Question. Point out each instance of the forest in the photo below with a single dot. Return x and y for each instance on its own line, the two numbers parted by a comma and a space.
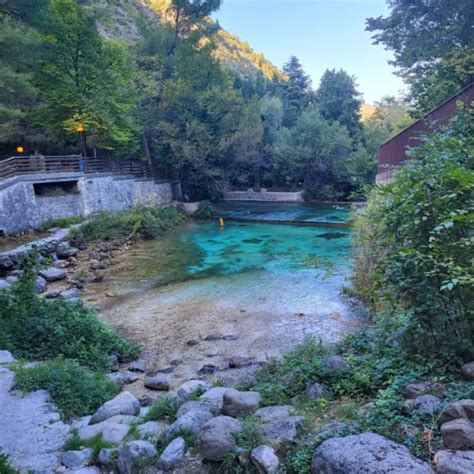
182, 93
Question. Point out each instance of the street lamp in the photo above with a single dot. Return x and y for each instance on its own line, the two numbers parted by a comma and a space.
81, 131
20, 150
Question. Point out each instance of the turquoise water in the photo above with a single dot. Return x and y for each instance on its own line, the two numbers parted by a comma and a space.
292, 212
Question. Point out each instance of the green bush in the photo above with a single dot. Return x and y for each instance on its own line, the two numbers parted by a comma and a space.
5, 467
144, 222
414, 243
35, 328
76, 390
204, 210
62, 222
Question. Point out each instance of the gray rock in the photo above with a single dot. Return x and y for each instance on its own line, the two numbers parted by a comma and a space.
336, 364
123, 404
116, 378
191, 406
132, 456
214, 337
366, 409
367, 453
111, 431
337, 430
216, 438
137, 366
173, 455
52, 295
281, 431
6, 357
269, 414
416, 389
191, 422
53, 274
176, 362
64, 250
214, 397
458, 434
4, 285
426, 404
239, 404
6, 263
71, 294
238, 362
315, 391
230, 337
187, 388
129, 377
11, 279
468, 371
80, 458
86, 470
151, 430
157, 382
454, 462
108, 457
264, 459
113, 363
193, 342
40, 284
457, 409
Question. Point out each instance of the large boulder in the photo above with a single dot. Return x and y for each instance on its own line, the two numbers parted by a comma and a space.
173, 455
269, 414
112, 430
454, 462
280, 431
240, 404
53, 274
215, 397
264, 459
191, 421
80, 458
123, 404
458, 434
192, 406
134, 455
367, 453
468, 371
458, 409
216, 438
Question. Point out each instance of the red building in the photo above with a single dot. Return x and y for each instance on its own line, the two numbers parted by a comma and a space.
392, 154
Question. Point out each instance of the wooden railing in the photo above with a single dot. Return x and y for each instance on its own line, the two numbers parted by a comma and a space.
39, 164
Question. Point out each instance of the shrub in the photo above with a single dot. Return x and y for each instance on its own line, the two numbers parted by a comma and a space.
415, 247
76, 390
144, 222
5, 467
62, 222
163, 409
39, 329
204, 210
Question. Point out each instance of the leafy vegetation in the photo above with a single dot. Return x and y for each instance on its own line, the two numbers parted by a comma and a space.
63, 222
414, 243
38, 329
163, 409
144, 222
76, 390
5, 467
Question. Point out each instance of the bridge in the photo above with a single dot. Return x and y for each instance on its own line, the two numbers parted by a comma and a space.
37, 188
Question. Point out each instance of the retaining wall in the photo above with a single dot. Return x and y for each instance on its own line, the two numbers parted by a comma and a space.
22, 209
263, 195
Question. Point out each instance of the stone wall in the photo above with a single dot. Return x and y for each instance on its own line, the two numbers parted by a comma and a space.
22, 209
263, 195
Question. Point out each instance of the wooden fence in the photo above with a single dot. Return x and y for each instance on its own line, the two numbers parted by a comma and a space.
39, 164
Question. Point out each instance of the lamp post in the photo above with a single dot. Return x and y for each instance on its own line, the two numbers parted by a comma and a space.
82, 134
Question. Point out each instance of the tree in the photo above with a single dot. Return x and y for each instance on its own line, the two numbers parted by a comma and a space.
433, 46
314, 153
297, 92
18, 94
339, 100
85, 81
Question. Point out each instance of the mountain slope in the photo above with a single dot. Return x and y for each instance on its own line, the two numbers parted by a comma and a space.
126, 20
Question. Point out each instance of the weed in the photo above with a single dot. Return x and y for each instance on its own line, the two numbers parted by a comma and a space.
163, 409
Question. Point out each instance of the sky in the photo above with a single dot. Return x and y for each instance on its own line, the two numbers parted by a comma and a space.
323, 34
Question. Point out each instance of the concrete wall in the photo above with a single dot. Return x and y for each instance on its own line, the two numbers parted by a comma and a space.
263, 195
22, 209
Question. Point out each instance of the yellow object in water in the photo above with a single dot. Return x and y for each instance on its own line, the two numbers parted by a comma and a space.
221, 221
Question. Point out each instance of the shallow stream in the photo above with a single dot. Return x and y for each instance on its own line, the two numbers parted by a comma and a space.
267, 285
